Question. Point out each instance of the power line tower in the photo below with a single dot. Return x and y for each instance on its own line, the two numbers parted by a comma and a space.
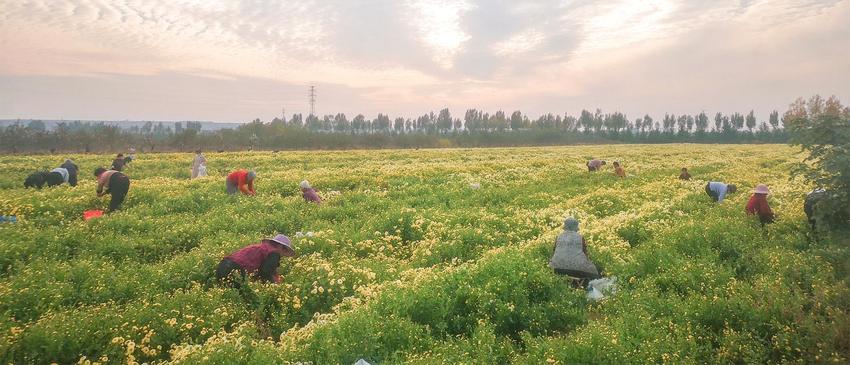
312, 100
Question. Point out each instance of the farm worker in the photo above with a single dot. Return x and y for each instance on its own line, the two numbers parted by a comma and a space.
72, 171
595, 165
198, 164
684, 175
62, 172
241, 180
758, 205
118, 163
812, 199
35, 180
570, 256
131, 156
618, 170
309, 193
718, 190
39, 178
259, 260
114, 183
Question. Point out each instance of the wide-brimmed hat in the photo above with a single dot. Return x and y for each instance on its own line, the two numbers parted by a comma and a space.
761, 189
283, 241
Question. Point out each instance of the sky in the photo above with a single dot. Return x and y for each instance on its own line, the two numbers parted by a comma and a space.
236, 60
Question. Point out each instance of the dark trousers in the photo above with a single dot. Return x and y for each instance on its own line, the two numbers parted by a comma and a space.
225, 272
119, 185
580, 279
710, 193
577, 274
231, 274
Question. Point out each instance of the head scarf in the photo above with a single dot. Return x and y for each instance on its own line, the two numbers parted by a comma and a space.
571, 224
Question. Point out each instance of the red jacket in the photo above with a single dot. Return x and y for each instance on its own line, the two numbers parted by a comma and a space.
758, 205
240, 178
251, 257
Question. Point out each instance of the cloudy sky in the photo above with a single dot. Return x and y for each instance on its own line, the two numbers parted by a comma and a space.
230, 60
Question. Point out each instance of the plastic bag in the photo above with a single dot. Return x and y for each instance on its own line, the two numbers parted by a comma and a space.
601, 288
594, 294
362, 362
89, 214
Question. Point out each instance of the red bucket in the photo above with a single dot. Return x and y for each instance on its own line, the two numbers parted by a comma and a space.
89, 214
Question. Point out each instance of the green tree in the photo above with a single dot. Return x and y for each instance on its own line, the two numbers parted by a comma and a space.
737, 121
718, 121
774, 119
444, 120
341, 123
358, 124
682, 123
647, 123
296, 121
570, 123
822, 128
586, 120
598, 120
499, 122
701, 122
516, 120
37, 126
751, 121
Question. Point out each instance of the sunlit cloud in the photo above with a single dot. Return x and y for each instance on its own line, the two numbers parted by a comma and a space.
409, 57
438, 25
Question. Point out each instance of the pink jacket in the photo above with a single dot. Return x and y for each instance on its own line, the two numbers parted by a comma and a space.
310, 195
251, 257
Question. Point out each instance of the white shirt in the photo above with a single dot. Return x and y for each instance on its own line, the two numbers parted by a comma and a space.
718, 188
63, 172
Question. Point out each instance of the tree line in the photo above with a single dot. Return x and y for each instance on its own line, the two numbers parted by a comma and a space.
477, 128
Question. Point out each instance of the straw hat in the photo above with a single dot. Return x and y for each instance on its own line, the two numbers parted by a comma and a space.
761, 189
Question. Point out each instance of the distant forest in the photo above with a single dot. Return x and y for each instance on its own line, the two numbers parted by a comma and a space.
476, 129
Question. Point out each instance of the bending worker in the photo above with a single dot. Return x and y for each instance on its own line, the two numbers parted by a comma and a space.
718, 190
259, 260
758, 205
241, 180
114, 183
595, 165
570, 256
309, 193
72, 171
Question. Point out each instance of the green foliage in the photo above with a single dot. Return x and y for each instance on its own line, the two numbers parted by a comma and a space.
822, 129
407, 264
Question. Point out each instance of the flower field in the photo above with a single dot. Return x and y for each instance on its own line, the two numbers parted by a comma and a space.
407, 263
